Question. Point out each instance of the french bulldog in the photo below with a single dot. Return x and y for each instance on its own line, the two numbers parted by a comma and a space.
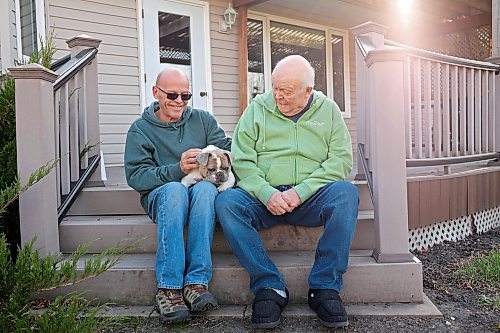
215, 167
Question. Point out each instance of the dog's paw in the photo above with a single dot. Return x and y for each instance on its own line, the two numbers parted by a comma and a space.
223, 187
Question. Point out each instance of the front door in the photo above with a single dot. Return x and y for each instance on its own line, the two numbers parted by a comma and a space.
175, 36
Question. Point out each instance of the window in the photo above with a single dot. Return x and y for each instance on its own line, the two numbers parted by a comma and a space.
30, 26
270, 39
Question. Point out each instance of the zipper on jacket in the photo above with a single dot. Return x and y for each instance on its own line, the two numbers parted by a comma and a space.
296, 173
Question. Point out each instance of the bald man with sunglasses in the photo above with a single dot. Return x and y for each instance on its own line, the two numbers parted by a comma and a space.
161, 148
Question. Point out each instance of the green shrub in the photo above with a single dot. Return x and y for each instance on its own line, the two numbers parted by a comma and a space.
9, 221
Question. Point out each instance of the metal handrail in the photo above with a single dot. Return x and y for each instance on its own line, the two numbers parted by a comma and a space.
68, 201
73, 66
364, 164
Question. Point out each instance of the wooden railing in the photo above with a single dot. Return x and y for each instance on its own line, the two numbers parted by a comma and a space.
417, 108
57, 118
78, 154
449, 108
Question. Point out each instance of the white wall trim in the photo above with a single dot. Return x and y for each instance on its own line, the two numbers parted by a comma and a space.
208, 60
40, 26
40, 22
18, 30
5, 35
141, 56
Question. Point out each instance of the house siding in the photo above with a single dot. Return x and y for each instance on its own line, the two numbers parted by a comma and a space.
225, 69
115, 23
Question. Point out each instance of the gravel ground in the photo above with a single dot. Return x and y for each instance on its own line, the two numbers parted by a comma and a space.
458, 300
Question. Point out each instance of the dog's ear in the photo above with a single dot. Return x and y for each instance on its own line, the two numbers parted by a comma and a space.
202, 159
229, 156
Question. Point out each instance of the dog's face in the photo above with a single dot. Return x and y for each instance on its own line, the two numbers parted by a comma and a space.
215, 164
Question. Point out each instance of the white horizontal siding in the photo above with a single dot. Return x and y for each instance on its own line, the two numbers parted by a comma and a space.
225, 69
115, 23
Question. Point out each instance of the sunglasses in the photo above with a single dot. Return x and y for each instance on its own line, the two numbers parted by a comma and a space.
173, 95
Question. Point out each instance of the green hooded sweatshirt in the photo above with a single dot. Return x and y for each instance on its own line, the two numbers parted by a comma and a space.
153, 148
270, 150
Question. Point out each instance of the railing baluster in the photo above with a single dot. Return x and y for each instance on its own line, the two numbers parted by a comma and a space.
436, 130
74, 136
427, 110
82, 117
446, 110
455, 99
463, 111
491, 121
477, 112
57, 111
470, 111
485, 114
407, 100
417, 102
64, 138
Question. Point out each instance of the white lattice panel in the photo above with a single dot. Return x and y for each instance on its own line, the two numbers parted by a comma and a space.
450, 230
486, 219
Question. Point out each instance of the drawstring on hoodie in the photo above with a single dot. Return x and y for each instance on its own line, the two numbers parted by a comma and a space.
181, 136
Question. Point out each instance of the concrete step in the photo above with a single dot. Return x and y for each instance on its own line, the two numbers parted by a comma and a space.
133, 281
123, 200
107, 231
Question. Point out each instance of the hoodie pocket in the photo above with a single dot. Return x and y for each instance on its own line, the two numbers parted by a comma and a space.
280, 173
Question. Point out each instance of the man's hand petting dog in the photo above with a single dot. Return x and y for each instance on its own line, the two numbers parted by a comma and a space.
211, 164
188, 160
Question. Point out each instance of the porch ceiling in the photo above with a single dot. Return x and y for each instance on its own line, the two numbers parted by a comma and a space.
441, 16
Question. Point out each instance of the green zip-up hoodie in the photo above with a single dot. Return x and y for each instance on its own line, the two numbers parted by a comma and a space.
270, 150
153, 148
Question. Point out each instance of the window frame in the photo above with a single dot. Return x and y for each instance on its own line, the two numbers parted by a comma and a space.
40, 27
329, 31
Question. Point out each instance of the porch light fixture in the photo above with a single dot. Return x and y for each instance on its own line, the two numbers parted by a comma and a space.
229, 19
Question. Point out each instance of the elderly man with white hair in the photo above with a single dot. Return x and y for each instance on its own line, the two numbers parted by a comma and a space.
292, 153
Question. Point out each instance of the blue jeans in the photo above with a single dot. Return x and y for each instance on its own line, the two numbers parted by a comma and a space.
171, 206
335, 206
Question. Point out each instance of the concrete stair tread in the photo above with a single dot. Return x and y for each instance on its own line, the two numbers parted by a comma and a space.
133, 280
228, 260
106, 231
144, 219
119, 198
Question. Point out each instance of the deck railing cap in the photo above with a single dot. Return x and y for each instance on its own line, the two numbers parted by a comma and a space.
385, 53
83, 41
33, 71
369, 27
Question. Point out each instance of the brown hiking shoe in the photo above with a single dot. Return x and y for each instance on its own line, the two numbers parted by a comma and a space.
171, 307
198, 298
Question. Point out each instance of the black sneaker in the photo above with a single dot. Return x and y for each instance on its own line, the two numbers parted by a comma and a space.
328, 306
267, 307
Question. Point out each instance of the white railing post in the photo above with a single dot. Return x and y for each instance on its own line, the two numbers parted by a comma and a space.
376, 34
386, 69
35, 136
89, 100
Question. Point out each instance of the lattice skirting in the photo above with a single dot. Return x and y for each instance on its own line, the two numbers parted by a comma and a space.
453, 230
